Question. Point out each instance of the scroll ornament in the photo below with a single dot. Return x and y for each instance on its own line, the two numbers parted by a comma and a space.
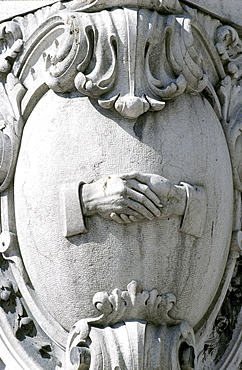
229, 47
11, 45
160, 65
169, 60
139, 315
159, 62
81, 62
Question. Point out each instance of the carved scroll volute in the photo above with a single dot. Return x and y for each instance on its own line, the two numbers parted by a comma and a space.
136, 310
224, 65
148, 58
74, 50
229, 47
11, 44
230, 96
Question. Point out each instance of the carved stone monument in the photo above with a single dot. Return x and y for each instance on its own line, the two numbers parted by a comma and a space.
121, 184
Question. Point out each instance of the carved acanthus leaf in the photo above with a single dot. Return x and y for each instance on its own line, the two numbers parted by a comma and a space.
229, 48
230, 97
135, 304
161, 46
11, 92
138, 313
10, 46
224, 64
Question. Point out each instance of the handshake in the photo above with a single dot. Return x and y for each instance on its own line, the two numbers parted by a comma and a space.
132, 197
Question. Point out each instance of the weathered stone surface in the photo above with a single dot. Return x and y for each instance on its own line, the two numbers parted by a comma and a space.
229, 11
120, 171
145, 251
18, 7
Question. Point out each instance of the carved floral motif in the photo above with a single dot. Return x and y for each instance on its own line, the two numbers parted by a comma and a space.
10, 46
229, 47
160, 61
135, 304
137, 313
230, 95
160, 46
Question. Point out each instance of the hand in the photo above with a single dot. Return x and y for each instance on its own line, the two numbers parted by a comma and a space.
123, 200
172, 197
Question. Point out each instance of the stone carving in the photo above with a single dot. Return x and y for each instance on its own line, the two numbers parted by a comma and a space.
7, 294
149, 96
229, 317
141, 315
134, 197
134, 304
172, 47
10, 46
24, 324
229, 49
10, 251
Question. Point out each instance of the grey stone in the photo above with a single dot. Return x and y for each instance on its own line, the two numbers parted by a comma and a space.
13, 8
120, 143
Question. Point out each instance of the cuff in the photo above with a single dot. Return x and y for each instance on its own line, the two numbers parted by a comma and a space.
194, 218
70, 210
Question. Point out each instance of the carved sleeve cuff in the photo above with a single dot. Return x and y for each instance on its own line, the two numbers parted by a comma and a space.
71, 211
194, 218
